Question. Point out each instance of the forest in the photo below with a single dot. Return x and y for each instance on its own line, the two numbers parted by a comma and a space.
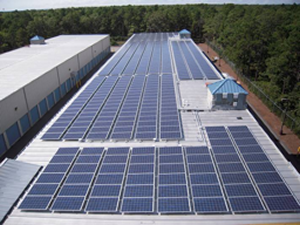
262, 41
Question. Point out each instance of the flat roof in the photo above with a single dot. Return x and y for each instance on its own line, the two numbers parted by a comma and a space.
215, 132
21, 66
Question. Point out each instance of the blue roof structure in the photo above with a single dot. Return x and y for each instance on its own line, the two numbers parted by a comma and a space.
184, 31
36, 38
226, 86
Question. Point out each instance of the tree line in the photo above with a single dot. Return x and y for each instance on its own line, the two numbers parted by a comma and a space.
262, 41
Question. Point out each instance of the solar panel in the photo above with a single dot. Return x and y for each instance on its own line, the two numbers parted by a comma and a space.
115, 159
136, 205
210, 205
84, 168
206, 178
43, 189
270, 177
172, 179
142, 159
206, 191
66, 151
102, 205
274, 189
57, 168
88, 159
199, 159
170, 159
201, 168
246, 204
68, 204
172, 191
112, 168
106, 191
197, 150
139, 191
231, 167
170, 150
171, 168
110, 179
35, 203
85, 178
140, 179
73, 190
261, 167
235, 178
141, 168
240, 190
173, 205
48, 178
282, 204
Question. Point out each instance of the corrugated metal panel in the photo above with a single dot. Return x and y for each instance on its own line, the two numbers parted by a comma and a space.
14, 178
226, 86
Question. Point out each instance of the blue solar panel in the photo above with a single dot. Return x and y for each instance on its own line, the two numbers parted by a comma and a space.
231, 167
43, 189
68, 204
245, 142
106, 191
210, 205
172, 191
274, 189
235, 178
173, 205
270, 177
282, 204
199, 159
261, 167
224, 150
136, 205
35, 203
171, 168
102, 205
112, 168
227, 158
242, 135
172, 179
246, 204
197, 150
201, 168
215, 129
140, 179
48, 178
238, 129
73, 190
115, 159
141, 168
110, 179
206, 191
84, 168
139, 191
170, 159
117, 151
207, 178
217, 135
250, 149
255, 158
85, 178
88, 159
220, 142
142, 159
170, 150
240, 190
57, 168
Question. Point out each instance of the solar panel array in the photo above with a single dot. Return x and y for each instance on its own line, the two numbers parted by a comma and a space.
159, 180
190, 63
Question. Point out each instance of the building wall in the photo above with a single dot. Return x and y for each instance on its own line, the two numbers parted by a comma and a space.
23, 109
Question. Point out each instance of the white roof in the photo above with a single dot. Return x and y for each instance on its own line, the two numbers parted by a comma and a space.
21, 66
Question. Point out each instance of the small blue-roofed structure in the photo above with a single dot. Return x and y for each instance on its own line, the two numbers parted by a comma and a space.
36, 40
227, 93
184, 34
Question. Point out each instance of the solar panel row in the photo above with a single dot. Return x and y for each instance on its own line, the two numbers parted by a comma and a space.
125, 182
238, 186
273, 189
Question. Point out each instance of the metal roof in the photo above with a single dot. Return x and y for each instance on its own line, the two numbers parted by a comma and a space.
228, 86
14, 178
21, 66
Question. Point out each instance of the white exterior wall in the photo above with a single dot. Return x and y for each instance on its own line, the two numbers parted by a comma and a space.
37, 90
97, 48
8, 114
106, 42
85, 57
65, 69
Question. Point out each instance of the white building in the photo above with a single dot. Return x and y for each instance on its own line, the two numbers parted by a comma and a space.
35, 77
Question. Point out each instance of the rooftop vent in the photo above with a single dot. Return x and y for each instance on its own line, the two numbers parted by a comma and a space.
37, 40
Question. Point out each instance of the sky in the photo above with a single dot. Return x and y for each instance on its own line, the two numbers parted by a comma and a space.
10, 5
